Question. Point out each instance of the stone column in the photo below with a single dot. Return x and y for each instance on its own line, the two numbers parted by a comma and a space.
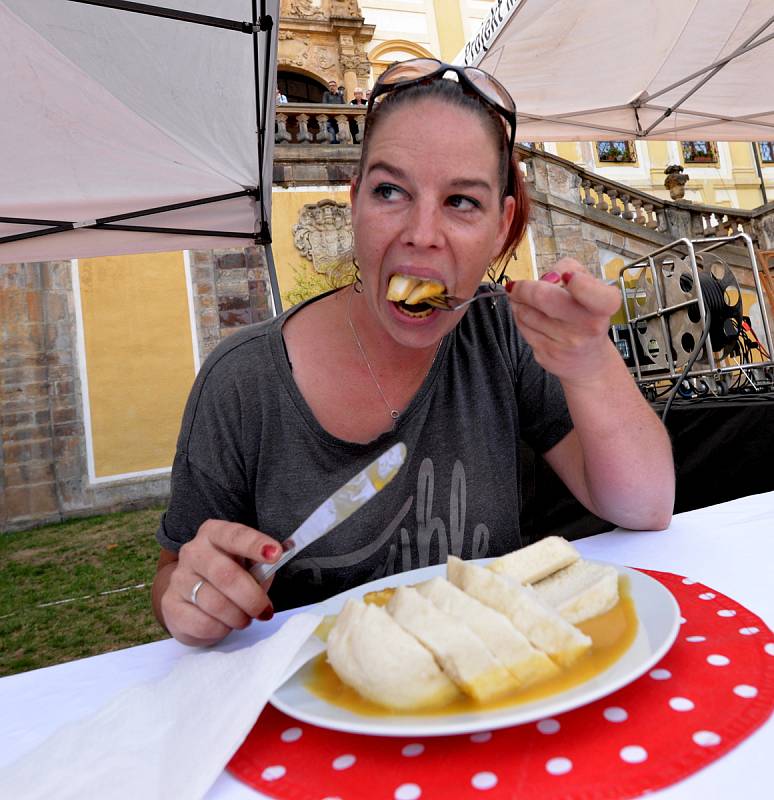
349, 63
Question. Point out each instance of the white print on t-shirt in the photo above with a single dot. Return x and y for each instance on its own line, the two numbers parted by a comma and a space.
450, 538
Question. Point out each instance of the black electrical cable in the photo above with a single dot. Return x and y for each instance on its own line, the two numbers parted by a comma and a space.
688, 364
721, 312
716, 314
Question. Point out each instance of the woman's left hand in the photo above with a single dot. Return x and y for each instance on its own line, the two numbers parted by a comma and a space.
565, 318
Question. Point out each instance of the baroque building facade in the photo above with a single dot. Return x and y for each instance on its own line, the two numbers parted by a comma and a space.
98, 355
321, 41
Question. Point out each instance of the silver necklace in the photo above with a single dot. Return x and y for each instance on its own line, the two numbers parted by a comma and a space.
393, 412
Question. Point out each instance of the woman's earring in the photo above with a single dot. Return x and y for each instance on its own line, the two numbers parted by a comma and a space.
358, 285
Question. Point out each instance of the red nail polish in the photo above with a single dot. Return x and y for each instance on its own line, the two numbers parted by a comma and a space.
269, 552
551, 277
267, 613
509, 285
567, 276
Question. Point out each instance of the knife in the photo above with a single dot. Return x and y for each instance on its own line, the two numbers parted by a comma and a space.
340, 505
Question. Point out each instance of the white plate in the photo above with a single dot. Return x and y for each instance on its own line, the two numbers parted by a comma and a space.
659, 621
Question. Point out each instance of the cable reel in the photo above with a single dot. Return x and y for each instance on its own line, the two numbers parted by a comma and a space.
681, 320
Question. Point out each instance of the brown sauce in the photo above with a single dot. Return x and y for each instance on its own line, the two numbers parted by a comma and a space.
611, 633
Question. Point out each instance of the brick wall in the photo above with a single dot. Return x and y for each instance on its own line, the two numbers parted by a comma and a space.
230, 289
39, 413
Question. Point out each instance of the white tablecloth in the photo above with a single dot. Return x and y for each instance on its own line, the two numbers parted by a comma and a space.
729, 547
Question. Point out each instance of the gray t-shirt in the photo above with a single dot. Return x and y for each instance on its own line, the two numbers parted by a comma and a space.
251, 451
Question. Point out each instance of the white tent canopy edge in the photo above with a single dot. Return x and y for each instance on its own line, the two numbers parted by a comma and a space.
135, 127
658, 70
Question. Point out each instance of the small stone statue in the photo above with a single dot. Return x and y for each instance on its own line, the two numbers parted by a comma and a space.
675, 181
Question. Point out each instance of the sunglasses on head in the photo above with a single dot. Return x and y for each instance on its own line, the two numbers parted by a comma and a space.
425, 70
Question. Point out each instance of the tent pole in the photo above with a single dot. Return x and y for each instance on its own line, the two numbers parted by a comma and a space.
131, 214
170, 13
275, 292
264, 23
748, 45
20, 237
106, 223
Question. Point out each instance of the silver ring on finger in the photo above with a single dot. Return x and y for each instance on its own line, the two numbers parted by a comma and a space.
198, 585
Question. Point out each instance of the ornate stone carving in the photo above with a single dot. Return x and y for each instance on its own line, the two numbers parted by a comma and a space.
303, 9
349, 61
325, 39
324, 236
346, 8
362, 66
293, 49
324, 57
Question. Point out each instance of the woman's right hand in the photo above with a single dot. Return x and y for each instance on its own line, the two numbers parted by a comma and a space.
229, 597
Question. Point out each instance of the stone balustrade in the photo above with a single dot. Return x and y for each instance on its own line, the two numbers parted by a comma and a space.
650, 212
317, 123
709, 221
622, 201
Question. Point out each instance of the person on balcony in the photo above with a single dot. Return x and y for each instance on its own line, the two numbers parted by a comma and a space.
359, 98
285, 412
332, 96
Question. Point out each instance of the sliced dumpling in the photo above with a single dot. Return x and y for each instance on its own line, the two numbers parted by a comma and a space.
370, 652
544, 627
423, 291
537, 560
581, 591
411, 290
400, 287
463, 655
527, 664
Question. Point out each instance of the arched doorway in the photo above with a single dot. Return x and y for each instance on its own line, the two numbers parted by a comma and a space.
394, 50
300, 88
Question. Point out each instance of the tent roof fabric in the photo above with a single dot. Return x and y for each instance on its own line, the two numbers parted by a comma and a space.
658, 69
108, 112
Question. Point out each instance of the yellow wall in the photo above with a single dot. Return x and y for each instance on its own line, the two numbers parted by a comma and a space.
569, 150
139, 358
751, 308
451, 35
523, 267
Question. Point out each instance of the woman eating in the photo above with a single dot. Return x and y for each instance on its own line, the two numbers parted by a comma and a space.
284, 412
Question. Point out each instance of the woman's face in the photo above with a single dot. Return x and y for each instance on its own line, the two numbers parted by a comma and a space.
428, 206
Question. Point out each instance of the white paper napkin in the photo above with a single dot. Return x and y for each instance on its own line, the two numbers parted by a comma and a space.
166, 739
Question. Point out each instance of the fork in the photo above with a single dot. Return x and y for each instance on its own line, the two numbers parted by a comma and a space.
448, 302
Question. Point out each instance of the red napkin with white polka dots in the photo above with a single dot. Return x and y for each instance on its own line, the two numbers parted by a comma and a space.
712, 689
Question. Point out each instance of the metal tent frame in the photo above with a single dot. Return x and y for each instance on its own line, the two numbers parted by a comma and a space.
260, 22
495, 47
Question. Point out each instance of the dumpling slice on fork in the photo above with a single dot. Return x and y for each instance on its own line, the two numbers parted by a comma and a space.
413, 294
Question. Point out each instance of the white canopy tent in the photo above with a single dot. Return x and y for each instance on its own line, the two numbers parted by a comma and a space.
655, 69
133, 127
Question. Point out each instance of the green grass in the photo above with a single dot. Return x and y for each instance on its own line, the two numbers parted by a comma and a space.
75, 561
